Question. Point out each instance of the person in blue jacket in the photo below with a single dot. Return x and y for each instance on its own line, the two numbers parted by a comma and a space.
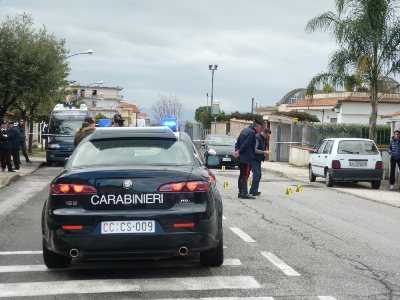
245, 151
394, 151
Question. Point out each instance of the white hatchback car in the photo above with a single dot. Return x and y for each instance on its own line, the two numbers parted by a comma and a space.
347, 160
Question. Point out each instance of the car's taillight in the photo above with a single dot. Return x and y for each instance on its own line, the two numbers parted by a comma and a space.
336, 164
71, 189
190, 186
379, 165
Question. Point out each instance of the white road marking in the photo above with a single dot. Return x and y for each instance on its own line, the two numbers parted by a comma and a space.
243, 235
23, 268
279, 263
326, 298
223, 298
232, 262
20, 252
25, 289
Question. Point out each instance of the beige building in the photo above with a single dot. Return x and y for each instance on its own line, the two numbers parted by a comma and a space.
103, 100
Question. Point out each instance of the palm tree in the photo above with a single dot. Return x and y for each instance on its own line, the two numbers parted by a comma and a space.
367, 33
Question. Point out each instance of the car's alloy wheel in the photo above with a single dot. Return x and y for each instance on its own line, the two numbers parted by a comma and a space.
53, 260
311, 175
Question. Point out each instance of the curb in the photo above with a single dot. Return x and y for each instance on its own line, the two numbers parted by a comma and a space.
284, 175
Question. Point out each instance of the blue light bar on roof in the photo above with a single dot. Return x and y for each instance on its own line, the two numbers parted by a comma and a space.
170, 122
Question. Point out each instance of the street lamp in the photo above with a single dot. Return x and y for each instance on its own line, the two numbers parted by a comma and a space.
89, 52
212, 68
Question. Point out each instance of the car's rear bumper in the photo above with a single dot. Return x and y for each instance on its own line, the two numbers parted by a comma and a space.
93, 245
356, 175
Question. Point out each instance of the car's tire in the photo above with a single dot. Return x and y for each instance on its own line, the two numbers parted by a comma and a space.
53, 260
311, 175
213, 257
328, 179
376, 185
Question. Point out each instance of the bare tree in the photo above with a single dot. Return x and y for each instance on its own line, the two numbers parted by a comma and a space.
167, 106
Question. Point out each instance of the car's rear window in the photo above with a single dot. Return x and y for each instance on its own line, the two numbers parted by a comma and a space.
130, 152
357, 147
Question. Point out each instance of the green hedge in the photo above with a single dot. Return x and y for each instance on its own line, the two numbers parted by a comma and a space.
323, 131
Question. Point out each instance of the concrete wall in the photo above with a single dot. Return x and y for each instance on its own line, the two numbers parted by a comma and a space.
237, 126
356, 112
299, 156
218, 128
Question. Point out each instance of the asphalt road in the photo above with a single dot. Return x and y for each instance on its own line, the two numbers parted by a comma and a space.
314, 244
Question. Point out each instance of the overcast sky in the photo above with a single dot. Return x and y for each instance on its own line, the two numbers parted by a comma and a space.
164, 47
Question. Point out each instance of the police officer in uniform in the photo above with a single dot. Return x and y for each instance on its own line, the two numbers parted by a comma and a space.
14, 139
5, 157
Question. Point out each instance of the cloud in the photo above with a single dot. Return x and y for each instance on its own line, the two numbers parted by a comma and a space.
158, 47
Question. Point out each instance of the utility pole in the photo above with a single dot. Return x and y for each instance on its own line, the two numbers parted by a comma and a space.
252, 105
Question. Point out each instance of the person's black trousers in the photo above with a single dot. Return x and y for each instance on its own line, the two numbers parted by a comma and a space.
15, 158
24, 152
243, 178
393, 163
5, 159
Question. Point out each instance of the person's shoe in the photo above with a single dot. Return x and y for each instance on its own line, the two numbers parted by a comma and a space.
16, 168
256, 194
246, 196
391, 187
12, 171
28, 161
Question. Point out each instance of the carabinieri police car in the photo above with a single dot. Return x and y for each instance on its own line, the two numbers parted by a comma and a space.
133, 192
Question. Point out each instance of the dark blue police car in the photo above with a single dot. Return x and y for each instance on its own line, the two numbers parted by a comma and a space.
133, 192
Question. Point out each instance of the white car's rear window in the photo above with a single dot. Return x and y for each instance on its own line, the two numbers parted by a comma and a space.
357, 147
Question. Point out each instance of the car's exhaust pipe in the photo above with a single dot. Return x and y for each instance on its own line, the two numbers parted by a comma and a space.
74, 253
183, 251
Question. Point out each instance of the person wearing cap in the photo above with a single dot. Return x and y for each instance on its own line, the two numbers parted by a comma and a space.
5, 157
21, 127
394, 151
245, 151
261, 152
88, 127
14, 138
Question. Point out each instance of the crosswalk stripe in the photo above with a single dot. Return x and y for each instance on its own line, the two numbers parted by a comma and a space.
23, 268
232, 262
42, 268
25, 289
280, 264
223, 298
326, 298
243, 235
20, 252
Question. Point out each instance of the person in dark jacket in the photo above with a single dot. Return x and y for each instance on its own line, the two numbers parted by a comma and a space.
394, 151
261, 152
14, 139
88, 127
5, 157
245, 151
21, 127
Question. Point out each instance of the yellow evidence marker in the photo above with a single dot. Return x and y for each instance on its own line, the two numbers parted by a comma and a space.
289, 191
226, 185
299, 188
223, 168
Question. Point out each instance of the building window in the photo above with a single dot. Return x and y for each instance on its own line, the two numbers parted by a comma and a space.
82, 92
334, 120
94, 93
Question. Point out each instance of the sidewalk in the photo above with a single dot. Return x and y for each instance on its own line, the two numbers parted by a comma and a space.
6, 177
361, 190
